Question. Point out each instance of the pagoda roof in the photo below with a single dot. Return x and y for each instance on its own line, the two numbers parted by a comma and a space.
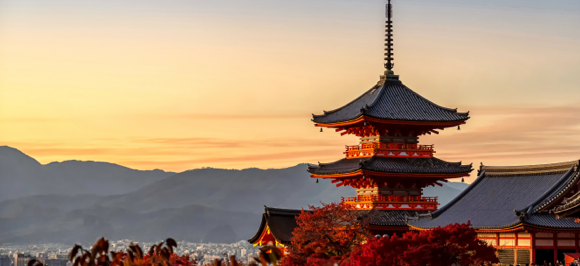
506, 197
281, 223
390, 165
391, 101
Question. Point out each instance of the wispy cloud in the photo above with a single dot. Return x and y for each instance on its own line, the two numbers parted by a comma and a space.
494, 136
228, 116
505, 136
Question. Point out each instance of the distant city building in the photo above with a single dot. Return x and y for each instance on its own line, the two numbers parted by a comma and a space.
5, 260
21, 259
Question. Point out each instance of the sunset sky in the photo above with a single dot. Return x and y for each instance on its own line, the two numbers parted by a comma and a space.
179, 84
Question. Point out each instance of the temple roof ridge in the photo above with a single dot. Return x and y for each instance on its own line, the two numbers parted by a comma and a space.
392, 101
511, 200
325, 113
551, 168
423, 98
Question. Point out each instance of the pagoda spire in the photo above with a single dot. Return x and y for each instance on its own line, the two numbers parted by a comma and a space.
389, 74
389, 39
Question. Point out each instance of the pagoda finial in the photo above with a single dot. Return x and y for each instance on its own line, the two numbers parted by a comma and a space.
389, 74
389, 40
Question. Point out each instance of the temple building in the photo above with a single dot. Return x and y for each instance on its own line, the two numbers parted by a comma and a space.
527, 212
524, 211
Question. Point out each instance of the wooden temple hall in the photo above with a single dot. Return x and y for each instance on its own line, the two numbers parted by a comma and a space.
527, 212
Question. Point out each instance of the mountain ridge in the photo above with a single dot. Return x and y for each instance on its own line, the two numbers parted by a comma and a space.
119, 202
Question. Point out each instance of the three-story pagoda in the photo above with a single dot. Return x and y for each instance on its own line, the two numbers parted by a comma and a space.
389, 168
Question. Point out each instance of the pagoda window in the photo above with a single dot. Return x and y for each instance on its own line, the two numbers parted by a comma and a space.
545, 242
544, 235
566, 243
524, 242
524, 235
507, 242
490, 239
566, 235
490, 242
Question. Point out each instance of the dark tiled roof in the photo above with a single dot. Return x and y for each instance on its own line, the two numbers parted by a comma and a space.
391, 165
550, 220
281, 223
505, 196
392, 101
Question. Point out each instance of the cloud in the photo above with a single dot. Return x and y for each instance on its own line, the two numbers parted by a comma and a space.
228, 116
504, 135
494, 136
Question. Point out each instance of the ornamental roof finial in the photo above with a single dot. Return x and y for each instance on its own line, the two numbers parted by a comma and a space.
389, 40
389, 74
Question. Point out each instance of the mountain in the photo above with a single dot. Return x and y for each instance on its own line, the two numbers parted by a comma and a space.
23, 222
245, 190
76, 201
21, 175
445, 193
248, 190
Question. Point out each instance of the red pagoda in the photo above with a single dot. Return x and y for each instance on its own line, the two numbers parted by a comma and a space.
389, 168
530, 213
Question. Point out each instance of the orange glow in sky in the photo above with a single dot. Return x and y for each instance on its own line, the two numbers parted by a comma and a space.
182, 84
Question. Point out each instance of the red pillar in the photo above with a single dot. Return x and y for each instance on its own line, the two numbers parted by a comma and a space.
533, 246
555, 247
516, 248
576, 241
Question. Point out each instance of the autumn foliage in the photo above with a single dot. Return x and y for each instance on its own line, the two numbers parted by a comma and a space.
442, 246
161, 254
326, 234
338, 235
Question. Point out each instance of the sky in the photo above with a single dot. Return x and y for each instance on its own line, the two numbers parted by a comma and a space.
178, 85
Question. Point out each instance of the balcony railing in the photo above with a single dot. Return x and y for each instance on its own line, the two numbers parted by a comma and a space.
389, 150
390, 199
392, 202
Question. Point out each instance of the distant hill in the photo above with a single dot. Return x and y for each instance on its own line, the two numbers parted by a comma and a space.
79, 201
21, 175
248, 190
245, 190
24, 222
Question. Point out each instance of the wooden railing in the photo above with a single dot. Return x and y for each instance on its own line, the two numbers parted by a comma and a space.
389, 150
390, 199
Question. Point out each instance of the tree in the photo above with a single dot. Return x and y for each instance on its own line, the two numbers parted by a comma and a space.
441, 246
326, 235
159, 255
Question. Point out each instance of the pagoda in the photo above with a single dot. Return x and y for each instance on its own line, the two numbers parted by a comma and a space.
530, 213
389, 168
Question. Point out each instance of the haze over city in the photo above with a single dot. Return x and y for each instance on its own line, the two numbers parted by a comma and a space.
178, 85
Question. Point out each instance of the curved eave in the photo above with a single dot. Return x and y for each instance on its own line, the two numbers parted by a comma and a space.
565, 211
568, 184
389, 227
417, 175
548, 228
261, 230
511, 227
366, 118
